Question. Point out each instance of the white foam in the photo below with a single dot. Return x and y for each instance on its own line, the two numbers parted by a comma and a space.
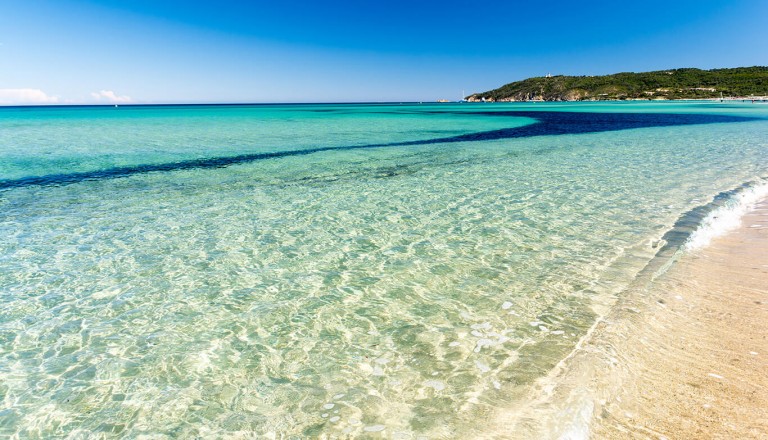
727, 217
578, 421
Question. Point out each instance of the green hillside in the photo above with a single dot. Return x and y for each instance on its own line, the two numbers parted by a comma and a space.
663, 84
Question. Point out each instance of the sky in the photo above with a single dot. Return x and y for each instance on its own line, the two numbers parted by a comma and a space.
155, 51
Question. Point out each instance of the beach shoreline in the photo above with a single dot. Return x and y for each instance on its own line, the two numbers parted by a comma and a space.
695, 367
682, 355
686, 358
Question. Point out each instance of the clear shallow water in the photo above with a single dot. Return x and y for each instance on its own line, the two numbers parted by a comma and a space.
405, 268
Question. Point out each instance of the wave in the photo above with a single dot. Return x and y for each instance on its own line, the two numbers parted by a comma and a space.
727, 217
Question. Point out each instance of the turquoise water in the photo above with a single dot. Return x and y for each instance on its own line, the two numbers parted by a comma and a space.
329, 270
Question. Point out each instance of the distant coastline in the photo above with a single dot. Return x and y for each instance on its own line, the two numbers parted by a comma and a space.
724, 99
740, 83
470, 99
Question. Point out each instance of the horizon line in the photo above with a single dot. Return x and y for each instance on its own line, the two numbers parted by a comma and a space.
138, 104
233, 104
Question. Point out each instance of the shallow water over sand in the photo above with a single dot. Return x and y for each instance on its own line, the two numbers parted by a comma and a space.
328, 269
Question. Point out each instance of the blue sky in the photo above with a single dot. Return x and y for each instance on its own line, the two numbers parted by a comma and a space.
75, 51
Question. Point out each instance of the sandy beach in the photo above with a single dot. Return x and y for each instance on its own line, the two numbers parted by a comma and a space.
697, 365
683, 356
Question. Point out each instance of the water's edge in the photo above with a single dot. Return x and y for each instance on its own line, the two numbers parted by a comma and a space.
562, 404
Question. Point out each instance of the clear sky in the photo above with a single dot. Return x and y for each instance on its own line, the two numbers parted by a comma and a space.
155, 51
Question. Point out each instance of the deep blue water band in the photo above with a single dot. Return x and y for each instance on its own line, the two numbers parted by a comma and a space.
548, 124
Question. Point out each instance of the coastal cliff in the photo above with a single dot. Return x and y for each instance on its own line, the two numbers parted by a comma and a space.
686, 83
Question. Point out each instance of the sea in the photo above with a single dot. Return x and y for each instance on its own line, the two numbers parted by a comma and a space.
337, 270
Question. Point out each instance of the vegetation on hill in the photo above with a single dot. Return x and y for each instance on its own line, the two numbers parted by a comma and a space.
663, 84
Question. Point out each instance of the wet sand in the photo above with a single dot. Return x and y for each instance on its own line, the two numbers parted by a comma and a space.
692, 362
683, 354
